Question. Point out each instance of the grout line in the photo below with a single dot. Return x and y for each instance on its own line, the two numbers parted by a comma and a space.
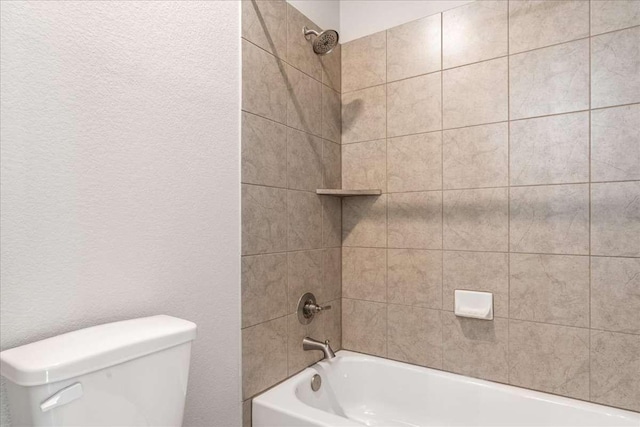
589, 166
442, 186
288, 126
509, 192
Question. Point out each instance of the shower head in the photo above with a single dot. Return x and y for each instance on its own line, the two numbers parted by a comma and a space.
324, 41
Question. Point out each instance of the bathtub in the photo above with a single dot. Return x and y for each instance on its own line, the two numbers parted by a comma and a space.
362, 390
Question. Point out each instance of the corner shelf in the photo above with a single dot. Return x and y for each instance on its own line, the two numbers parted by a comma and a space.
347, 193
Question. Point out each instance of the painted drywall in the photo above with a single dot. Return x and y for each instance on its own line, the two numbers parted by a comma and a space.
120, 177
359, 18
325, 13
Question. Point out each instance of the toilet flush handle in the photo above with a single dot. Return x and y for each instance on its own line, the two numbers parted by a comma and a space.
62, 397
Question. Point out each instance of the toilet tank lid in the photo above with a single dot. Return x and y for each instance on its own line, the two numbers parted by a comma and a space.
87, 350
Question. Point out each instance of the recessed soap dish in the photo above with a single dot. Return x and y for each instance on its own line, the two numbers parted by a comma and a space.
477, 305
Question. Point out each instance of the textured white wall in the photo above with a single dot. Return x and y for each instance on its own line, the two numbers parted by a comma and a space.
325, 13
359, 18
120, 177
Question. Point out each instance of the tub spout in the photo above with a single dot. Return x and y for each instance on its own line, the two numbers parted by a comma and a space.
311, 344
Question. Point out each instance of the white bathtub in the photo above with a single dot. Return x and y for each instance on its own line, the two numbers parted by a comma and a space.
365, 390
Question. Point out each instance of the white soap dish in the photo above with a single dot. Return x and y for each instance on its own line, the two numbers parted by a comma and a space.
477, 305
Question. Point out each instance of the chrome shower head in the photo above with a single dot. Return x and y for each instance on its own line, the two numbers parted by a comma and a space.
324, 41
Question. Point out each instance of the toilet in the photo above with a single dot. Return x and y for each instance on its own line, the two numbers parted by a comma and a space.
129, 373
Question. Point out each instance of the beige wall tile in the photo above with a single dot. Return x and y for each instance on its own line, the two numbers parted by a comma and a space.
304, 106
264, 91
474, 32
264, 144
414, 48
615, 369
299, 359
264, 224
364, 165
264, 23
333, 324
550, 150
332, 273
549, 81
305, 220
414, 105
550, 289
615, 66
615, 294
615, 143
615, 219
610, 15
332, 68
475, 94
534, 24
332, 160
364, 326
305, 273
364, 115
246, 413
477, 271
473, 347
415, 277
476, 157
264, 288
331, 222
364, 62
264, 356
331, 114
414, 162
550, 219
304, 160
415, 220
550, 358
364, 221
300, 50
415, 335
364, 274
476, 220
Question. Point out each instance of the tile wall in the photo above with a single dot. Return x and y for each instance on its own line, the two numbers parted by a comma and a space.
506, 139
291, 130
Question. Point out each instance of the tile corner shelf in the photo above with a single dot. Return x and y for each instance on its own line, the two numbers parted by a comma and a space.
347, 193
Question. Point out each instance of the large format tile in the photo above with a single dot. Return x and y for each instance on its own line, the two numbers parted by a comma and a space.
477, 271
364, 165
415, 277
364, 221
550, 150
364, 326
304, 106
300, 50
332, 165
414, 105
415, 335
331, 222
364, 115
364, 274
475, 94
550, 289
550, 219
474, 32
333, 324
264, 222
615, 66
476, 220
476, 156
615, 219
414, 48
549, 81
246, 413
331, 114
332, 68
534, 24
264, 288
549, 358
264, 91
615, 294
364, 62
415, 220
264, 144
615, 143
414, 162
611, 15
304, 160
615, 369
305, 220
264, 23
475, 347
297, 358
305, 274
332, 275
264, 356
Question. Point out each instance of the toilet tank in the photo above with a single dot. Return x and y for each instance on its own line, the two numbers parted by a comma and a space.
129, 373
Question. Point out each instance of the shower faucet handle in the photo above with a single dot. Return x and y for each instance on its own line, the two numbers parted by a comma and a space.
316, 308
308, 308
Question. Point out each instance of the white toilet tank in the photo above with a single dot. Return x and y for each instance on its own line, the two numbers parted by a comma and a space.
130, 373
